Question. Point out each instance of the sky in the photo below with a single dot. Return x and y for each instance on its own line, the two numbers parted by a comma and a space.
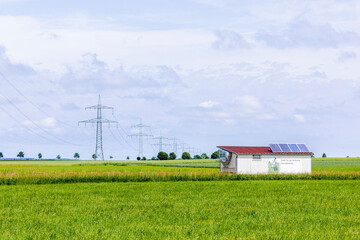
206, 72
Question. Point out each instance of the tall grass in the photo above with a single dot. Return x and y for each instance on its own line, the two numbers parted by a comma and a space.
93, 177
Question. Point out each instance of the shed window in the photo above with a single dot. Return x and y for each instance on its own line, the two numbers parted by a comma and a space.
256, 157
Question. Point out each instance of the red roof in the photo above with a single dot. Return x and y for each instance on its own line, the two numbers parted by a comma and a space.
259, 150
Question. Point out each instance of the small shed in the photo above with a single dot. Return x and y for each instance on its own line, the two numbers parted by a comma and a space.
276, 158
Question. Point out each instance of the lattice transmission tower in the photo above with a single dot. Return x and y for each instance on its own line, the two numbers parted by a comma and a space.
140, 135
161, 142
99, 120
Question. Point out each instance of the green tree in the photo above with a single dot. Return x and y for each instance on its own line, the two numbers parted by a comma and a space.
172, 156
1, 155
163, 156
127, 158
324, 155
144, 159
58, 157
94, 156
21, 154
153, 158
204, 156
40, 156
138, 158
215, 155
111, 157
186, 155
76, 155
197, 156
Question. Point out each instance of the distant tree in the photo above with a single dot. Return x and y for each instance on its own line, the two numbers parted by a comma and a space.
76, 155
1, 155
215, 155
186, 155
111, 157
138, 158
153, 158
324, 155
40, 156
127, 158
144, 158
204, 156
197, 156
21, 154
163, 156
94, 156
172, 156
58, 157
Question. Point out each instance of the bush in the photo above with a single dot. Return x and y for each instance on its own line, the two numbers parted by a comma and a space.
197, 156
324, 155
215, 155
163, 156
144, 159
172, 156
138, 158
204, 156
186, 155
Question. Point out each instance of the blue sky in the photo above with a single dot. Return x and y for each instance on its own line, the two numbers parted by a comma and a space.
208, 72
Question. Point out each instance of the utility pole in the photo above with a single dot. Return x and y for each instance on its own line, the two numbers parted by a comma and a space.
161, 143
140, 135
99, 121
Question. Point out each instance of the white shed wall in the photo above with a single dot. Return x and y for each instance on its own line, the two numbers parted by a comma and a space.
286, 164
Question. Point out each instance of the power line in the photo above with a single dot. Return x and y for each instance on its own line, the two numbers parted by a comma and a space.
99, 121
35, 124
31, 102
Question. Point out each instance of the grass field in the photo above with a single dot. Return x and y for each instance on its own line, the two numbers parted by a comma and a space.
175, 200
42, 172
182, 210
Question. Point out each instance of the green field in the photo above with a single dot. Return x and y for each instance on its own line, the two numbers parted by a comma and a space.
182, 210
175, 200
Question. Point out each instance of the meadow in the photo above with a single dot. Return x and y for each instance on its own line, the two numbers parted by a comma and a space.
176, 200
46, 172
182, 210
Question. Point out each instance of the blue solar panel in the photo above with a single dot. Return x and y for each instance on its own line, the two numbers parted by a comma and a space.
284, 147
275, 148
303, 148
294, 147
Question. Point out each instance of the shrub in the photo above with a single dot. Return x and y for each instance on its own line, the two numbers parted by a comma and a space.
197, 156
215, 155
172, 156
163, 156
186, 155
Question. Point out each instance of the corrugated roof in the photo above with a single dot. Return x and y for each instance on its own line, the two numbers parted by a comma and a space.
258, 150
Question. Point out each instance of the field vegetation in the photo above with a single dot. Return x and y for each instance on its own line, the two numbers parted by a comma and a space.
44, 172
182, 210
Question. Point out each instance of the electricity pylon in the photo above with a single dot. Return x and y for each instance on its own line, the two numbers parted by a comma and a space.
140, 136
161, 143
99, 121
175, 144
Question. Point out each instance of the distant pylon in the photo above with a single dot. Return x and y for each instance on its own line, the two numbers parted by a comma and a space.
161, 142
99, 152
140, 136
175, 145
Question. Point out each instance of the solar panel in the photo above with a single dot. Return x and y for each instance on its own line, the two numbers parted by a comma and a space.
284, 147
303, 148
294, 147
275, 148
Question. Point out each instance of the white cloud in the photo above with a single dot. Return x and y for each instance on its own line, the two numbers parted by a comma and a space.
208, 104
248, 103
301, 33
229, 40
48, 122
299, 117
